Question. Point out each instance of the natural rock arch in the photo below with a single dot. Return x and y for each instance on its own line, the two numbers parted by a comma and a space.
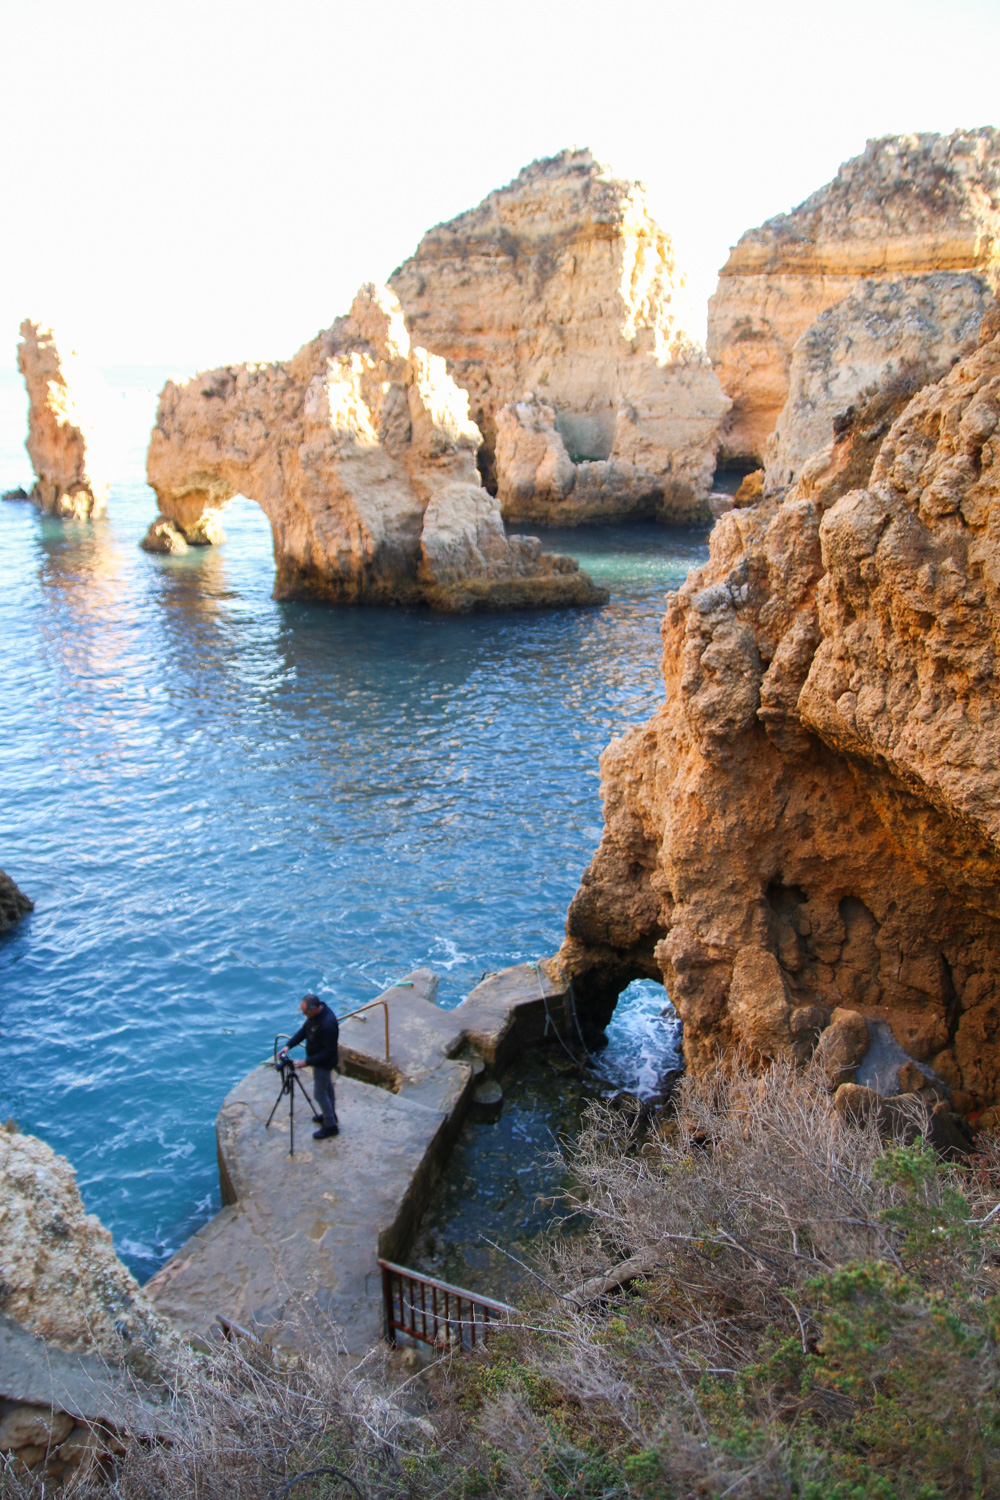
361, 453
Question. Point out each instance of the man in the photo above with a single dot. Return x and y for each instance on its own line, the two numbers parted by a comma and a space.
320, 1033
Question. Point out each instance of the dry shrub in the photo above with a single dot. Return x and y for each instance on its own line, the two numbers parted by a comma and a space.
805, 1311
812, 1313
246, 1425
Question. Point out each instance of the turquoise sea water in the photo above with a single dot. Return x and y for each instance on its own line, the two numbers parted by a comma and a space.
218, 802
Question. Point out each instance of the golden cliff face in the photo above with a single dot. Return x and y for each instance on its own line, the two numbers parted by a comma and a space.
812, 819
560, 309
361, 453
907, 206
64, 412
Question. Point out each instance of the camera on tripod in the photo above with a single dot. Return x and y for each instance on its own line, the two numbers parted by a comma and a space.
290, 1081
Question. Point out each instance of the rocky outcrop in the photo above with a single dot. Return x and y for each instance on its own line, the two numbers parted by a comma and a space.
883, 335
909, 205
66, 1418
59, 1276
14, 904
64, 414
812, 819
560, 309
361, 453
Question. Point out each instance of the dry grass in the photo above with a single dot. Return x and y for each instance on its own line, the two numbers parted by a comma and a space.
812, 1313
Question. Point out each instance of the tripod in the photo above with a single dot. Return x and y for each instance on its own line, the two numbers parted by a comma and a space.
289, 1080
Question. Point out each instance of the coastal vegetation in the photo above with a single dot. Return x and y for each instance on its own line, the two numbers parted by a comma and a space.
806, 1309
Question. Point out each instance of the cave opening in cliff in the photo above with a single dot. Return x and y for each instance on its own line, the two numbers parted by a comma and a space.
731, 473
642, 1045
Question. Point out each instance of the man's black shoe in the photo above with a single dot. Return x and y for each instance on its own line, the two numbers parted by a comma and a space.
325, 1131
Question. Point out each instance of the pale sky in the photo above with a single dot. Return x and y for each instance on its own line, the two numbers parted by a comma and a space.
200, 183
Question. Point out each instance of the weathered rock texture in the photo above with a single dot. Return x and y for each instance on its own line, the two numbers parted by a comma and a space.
885, 333
59, 1275
14, 904
64, 415
559, 307
361, 453
907, 206
812, 819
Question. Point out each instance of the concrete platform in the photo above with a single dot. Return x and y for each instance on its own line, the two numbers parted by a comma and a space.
294, 1251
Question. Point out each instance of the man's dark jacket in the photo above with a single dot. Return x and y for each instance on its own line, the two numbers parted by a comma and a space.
320, 1035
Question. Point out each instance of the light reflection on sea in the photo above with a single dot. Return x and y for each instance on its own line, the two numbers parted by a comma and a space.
218, 802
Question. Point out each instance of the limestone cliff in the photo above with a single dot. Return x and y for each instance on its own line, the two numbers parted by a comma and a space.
558, 301
59, 1275
907, 206
361, 453
812, 819
906, 330
14, 904
64, 415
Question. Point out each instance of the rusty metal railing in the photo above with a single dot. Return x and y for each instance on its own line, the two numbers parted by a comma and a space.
370, 1006
435, 1312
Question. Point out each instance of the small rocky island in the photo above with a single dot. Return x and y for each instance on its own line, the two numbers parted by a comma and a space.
362, 455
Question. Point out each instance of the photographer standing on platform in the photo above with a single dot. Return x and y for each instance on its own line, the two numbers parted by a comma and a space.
320, 1034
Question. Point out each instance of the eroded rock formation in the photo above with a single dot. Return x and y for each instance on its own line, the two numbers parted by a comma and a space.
361, 453
64, 415
560, 309
908, 205
884, 334
812, 819
59, 1274
14, 904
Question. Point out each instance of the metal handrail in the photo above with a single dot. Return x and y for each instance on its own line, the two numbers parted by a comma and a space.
435, 1324
370, 1006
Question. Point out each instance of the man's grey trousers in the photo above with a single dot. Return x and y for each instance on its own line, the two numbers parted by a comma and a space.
326, 1103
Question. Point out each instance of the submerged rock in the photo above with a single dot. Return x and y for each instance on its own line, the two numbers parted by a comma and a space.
812, 819
63, 415
14, 904
909, 205
560, 309
361, 453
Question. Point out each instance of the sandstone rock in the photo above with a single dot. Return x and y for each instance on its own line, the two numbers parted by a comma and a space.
908, 205
855, 1103
23, 1425
361, 453
822, 783
843, 1045
759, 1002
164, 538
64, 412
14, 904
906, 332
906, 1118
60, 1277
562, 285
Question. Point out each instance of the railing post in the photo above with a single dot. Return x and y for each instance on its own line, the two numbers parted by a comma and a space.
390, 1319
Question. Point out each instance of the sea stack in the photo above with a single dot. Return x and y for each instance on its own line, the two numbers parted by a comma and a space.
64, 414
361, 453
811, 822
561, 310
909, 205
